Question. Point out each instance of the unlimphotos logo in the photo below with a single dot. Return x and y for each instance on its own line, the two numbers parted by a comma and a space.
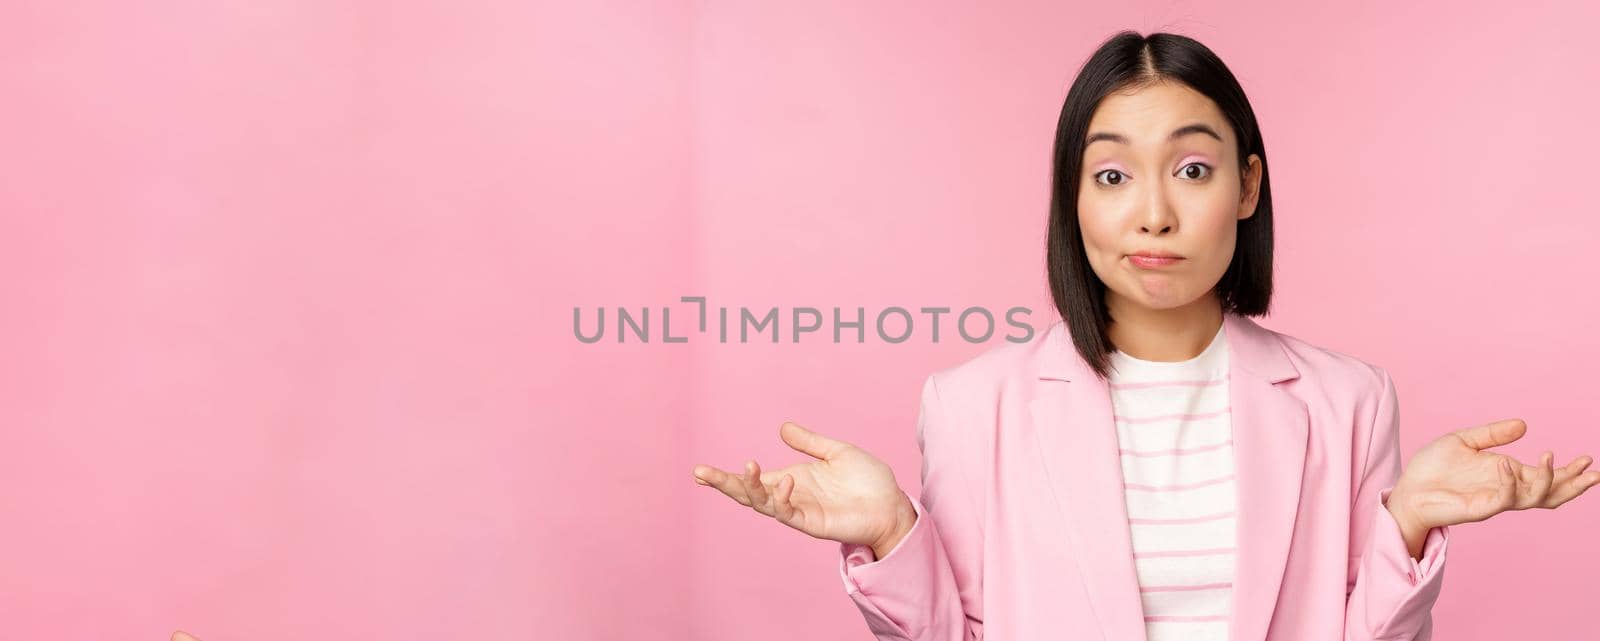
891, 324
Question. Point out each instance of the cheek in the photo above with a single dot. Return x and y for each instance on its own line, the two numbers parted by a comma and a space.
1219, 228
1098, 220
1099, 233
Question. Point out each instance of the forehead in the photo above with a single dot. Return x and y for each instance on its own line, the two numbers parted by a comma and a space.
1147, 114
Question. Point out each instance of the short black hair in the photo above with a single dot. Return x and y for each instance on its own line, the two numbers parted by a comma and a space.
1127, 60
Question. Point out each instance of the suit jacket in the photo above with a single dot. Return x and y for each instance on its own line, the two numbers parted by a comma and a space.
1022, 527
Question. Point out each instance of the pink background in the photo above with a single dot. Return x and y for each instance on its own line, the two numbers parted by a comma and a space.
288, 288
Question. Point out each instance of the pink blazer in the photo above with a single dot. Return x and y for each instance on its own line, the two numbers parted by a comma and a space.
1022, 530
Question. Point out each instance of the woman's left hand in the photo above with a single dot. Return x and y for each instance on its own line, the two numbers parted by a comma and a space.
1453, 480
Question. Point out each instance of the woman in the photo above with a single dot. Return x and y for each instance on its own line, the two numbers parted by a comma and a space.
1156, 465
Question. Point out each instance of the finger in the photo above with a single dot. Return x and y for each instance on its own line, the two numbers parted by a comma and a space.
1572, 489
754, 488
180, 635
809, 442
1537, 482
1573, 469
726, 483
770, 478
1493, 434
1570, 482
780, 500
1506, 497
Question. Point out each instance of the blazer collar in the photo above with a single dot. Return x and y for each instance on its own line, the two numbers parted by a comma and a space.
1077, 441
1251, 347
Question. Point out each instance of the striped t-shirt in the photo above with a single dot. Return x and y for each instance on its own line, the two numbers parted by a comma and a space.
1176, 438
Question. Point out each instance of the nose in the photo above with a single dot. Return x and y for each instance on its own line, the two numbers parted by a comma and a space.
1158, 217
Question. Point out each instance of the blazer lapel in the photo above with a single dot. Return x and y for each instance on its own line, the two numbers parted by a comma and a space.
1270, 431
1076, 436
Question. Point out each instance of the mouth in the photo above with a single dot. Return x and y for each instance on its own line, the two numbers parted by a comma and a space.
1151, 260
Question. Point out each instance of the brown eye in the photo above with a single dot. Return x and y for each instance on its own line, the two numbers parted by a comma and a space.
1113, 177
1195, 170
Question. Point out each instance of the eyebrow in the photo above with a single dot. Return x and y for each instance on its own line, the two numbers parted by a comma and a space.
1196, 128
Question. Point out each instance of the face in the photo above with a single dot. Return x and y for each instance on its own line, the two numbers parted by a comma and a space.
1161, 176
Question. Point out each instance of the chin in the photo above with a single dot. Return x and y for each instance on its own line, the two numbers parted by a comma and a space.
1159, 302
1164, 304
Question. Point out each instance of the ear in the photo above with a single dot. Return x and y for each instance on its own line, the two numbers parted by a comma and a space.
1251, 189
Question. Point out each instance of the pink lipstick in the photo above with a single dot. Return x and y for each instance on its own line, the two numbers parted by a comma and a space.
1152, 259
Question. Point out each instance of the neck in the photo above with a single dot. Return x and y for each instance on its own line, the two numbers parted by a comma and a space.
1167, 335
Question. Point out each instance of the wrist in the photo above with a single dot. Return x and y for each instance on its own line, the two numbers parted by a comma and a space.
905, 518
1403, 506
1413, 528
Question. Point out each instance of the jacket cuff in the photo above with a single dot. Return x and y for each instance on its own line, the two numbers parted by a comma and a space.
1433, 547
861, 571
1403, 586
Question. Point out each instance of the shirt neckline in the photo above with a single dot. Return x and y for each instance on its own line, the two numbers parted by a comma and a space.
1210, 361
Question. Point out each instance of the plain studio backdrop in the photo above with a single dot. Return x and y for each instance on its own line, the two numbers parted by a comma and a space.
289, 288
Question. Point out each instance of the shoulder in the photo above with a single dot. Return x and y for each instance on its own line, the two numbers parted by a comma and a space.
999, 374
1329, 366
991, 367
1337, 380
965, 404
1008, 372
996, 366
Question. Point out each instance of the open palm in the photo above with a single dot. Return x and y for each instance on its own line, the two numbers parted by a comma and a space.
845, 494
1453, 480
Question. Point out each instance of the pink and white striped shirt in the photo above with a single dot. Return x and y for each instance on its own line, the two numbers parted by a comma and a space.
1176, 438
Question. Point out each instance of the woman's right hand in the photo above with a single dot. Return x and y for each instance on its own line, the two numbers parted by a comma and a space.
845, 494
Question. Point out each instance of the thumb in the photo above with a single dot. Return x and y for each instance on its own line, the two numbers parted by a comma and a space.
180, 635
1492, 434
809, 442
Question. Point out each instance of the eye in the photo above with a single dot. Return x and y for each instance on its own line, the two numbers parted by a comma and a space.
1192, 175
1115, 177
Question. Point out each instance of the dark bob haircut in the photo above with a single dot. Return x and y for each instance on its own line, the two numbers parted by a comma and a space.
1128, 60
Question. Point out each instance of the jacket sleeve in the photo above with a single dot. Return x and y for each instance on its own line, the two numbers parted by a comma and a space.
1389, 594
929, 587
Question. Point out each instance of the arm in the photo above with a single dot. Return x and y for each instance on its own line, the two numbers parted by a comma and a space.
929, 586
1390, 593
